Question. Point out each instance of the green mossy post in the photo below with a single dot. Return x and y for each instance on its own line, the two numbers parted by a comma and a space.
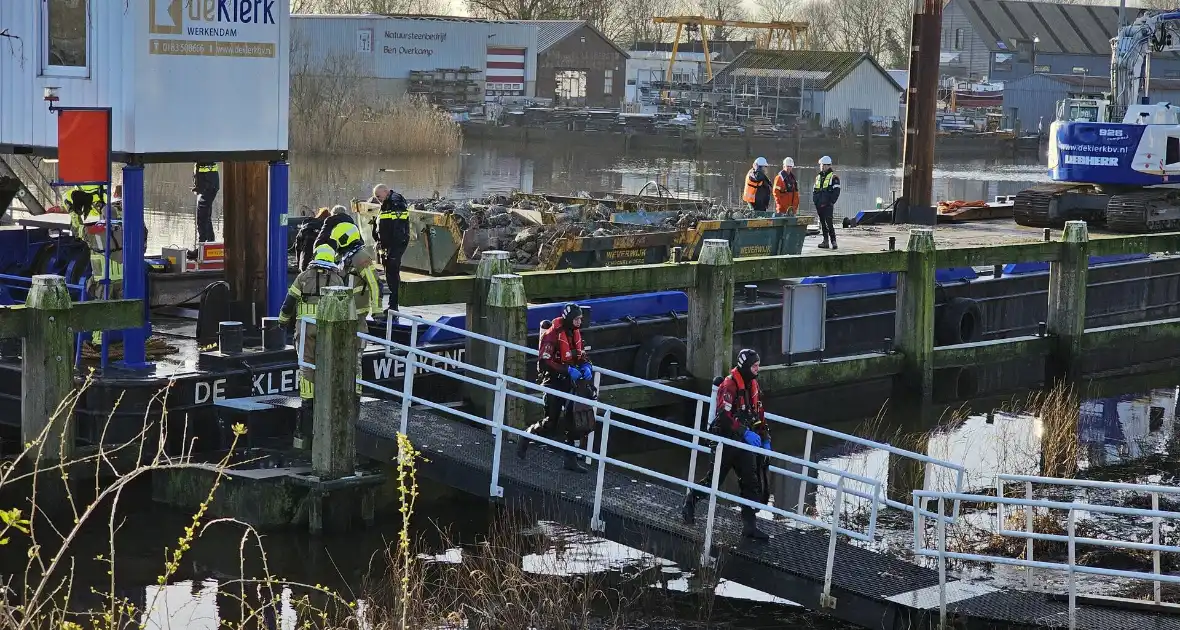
333, 449
914, 323
1066, 322
491, 263
710, 313
48, 368
506, 313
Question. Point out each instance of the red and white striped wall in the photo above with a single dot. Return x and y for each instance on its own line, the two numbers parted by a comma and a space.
505, 74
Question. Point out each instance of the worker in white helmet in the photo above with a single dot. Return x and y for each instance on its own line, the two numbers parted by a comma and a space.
786, 189
825, 195
757, 192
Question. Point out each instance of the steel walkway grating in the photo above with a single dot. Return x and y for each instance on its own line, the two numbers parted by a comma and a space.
871, 589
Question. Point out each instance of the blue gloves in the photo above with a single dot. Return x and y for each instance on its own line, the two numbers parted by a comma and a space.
752, 439
574, 373
587, 372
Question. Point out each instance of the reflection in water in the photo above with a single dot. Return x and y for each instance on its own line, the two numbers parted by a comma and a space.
187, 605
501, 167
1125, 428
195, 605
1111, 430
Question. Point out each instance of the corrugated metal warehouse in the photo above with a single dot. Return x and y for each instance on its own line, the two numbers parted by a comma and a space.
833, 86
1003, 40
1033, 99
450, 59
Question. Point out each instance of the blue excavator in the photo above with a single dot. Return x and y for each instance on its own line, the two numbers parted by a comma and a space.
1115, 162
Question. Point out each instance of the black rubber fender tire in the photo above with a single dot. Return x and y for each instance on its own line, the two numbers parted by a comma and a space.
961, 321
847, 222
656, 353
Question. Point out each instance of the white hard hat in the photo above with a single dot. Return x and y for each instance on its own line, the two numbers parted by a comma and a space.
788, 162
761, 162
827, 159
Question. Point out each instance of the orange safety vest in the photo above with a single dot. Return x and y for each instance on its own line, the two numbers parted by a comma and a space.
786, 196
752, 186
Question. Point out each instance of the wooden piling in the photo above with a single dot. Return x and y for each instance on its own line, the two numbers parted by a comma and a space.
1066, 321
491, 263
507, 320
710, 313
914, 322
48, 369
333, 449
245, 226
921, 105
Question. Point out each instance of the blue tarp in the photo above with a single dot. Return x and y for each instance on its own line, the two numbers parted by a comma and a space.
1015, 269
883, 281
608, 309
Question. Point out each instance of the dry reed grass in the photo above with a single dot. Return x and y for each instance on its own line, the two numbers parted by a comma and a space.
489, 588
407, 126
336, 109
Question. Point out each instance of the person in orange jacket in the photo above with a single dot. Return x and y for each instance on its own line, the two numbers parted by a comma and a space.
757, 191
786, 189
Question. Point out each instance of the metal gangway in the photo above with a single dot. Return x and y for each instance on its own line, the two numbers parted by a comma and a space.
942, 507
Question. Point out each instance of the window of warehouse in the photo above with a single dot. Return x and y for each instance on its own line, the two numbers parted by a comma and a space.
65, 33
608, 82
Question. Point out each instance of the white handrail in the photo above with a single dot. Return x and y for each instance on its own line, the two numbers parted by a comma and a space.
960, 470
612, 417
1070, 537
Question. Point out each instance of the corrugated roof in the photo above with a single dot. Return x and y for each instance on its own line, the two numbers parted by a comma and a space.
827, 66
1078, 29
550, 32
1093, 83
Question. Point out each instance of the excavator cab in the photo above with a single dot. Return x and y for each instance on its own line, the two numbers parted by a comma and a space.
1083, 110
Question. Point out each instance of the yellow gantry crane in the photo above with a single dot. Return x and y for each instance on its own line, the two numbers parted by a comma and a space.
779, 35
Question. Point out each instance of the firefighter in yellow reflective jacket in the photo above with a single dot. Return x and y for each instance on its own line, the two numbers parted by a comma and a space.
345, 237
84, 203
302, 298
358, 263
87, 207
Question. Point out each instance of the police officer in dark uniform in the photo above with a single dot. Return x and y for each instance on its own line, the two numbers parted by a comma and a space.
740, 417
206, 183
393, 235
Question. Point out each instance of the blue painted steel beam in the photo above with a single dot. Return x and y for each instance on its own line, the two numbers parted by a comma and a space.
276, 240
134, 269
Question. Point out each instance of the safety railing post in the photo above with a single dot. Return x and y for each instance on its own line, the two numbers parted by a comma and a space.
392, 315
495, 489
706, 553
940, 527
1029, 524
805, 471
698, 422
596, 522
408, 379
826, 600
589, 442
1073, 587
1155, 540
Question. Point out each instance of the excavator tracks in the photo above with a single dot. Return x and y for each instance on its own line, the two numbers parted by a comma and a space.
1150, 210
1034, 207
